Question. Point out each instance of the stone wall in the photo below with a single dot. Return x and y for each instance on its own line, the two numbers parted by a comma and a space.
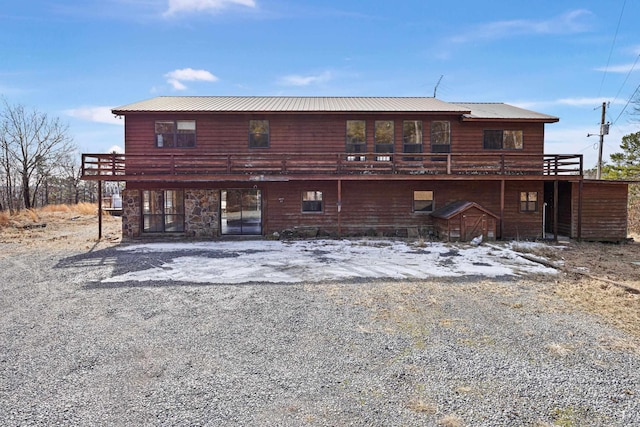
131, 212
201, 209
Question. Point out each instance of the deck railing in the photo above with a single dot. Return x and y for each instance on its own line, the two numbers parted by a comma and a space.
129, 166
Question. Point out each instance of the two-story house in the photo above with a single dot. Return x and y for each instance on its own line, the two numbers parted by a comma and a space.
213, 166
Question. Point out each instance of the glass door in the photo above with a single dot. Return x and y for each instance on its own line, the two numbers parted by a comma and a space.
241, 211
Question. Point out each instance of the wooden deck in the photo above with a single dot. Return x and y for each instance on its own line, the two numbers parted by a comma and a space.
276, 166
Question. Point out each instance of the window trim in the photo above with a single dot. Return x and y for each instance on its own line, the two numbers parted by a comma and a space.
175, 140
311, 202
423, 211
525, 206
253, 135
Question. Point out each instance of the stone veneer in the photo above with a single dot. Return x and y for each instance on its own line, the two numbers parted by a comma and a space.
131, 212
201, 209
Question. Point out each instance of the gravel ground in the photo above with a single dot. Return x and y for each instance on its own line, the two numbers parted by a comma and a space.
76, 351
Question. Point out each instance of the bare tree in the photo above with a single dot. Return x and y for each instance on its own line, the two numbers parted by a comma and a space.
33, 145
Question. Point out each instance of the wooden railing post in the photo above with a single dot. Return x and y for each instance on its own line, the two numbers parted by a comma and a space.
449, 164
113, 163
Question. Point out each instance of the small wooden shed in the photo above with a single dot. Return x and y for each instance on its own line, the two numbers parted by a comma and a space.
463, 220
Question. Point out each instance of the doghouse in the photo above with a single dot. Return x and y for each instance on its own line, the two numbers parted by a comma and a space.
463, 220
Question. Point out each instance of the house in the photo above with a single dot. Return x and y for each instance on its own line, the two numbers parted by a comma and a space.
213, 166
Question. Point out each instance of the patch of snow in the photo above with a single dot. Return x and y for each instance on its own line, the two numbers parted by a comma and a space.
324, 260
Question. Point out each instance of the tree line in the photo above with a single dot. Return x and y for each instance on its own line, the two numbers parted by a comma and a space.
39, 162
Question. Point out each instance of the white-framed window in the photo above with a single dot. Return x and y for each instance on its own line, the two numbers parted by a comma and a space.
175, 133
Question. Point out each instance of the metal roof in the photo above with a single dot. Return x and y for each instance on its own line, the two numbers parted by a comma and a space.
289, 104
500, 111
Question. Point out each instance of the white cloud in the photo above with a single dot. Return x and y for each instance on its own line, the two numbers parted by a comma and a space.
176, 77
568, 23
298, 80
115, 149
187, 6
95, 114
570, 102
623, 68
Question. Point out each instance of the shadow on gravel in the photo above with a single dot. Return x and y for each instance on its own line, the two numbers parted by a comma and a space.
121, 262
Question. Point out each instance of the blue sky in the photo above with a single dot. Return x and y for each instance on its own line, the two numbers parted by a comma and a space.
78, 59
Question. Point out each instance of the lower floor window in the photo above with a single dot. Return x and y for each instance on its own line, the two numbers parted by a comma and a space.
528, 201
312, 201
162, 211
423, 201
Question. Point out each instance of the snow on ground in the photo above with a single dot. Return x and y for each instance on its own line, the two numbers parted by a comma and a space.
234, 262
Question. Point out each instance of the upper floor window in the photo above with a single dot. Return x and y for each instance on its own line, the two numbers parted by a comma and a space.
175, 133
503, 140
356, 136
383, 138
258, 133
412, 136
440, 137
312, 201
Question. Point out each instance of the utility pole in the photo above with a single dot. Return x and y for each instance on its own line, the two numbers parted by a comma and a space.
604, 130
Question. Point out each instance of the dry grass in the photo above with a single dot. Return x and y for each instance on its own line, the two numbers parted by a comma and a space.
47, 213
55, 208
419, 405
4, 219
451, 421
86, 208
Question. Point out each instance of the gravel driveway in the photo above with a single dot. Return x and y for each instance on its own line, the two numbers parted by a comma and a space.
75, 350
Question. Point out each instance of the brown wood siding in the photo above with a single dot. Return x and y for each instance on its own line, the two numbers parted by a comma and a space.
604, 211
469, 137
368, 206
314, 133
522, 225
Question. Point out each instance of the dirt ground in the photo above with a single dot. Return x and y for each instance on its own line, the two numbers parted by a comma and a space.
593, 275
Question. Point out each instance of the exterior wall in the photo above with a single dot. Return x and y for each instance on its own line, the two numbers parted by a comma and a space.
521, 225
201, 208
604, 210
131, 212
315, 133
368, 207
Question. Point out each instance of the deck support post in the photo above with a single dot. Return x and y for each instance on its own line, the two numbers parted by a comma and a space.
339, 206
99, 209
502, 185
555, 210
580, 184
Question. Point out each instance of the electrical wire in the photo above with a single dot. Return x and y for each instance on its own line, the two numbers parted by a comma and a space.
606, 69
627, 104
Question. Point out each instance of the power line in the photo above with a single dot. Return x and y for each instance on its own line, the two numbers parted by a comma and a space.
606, 69
626, 78
627, 104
